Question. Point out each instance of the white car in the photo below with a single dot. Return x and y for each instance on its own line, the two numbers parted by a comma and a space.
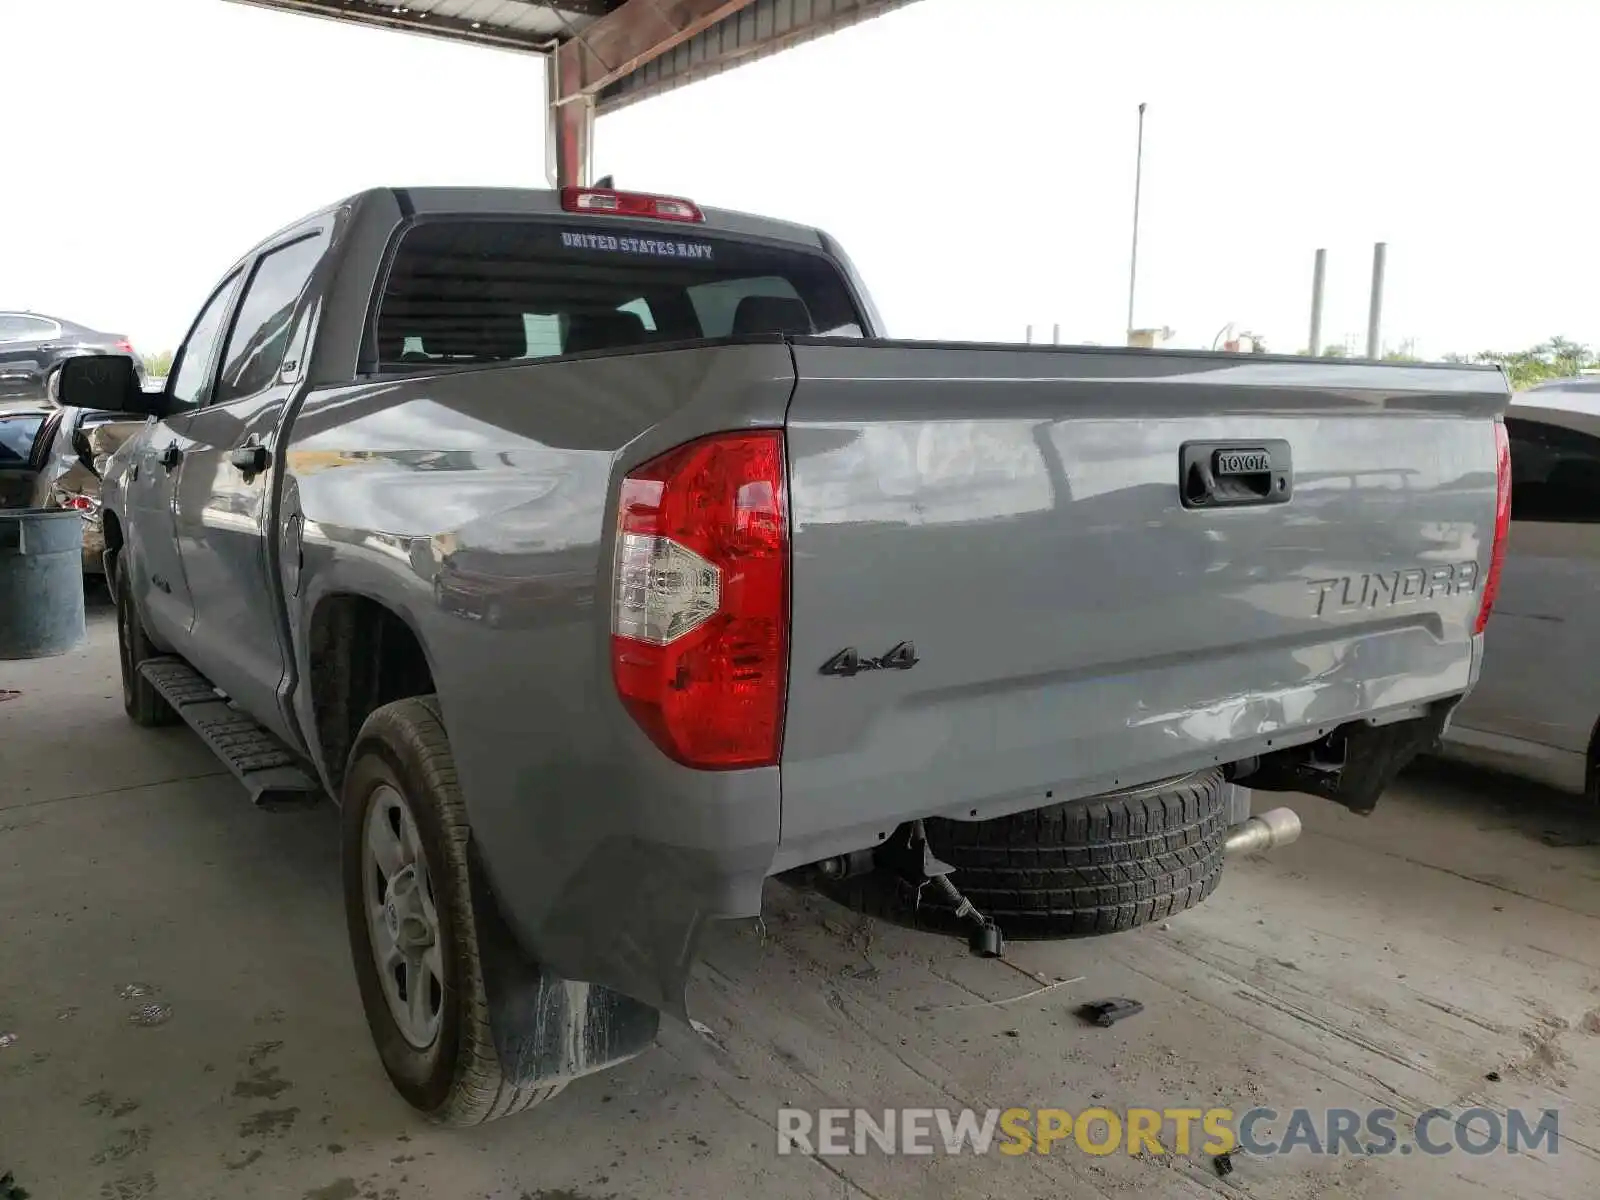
1536, 709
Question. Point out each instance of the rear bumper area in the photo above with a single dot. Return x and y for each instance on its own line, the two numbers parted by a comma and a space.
983, 753
613, 879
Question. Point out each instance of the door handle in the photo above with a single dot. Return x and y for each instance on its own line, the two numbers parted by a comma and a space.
171, 456
1235, 474
251, 459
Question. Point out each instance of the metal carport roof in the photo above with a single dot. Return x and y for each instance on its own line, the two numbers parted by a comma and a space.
606, 53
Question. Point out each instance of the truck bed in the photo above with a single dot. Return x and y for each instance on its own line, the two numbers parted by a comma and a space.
1017, 516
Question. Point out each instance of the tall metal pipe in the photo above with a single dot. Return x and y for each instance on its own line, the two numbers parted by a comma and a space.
1380, 253
1319, 276
1133, 257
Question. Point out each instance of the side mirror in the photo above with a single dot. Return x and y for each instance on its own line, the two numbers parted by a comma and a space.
106, 382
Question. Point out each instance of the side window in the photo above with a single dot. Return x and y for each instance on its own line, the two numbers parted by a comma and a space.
191, 379
543, 331
17, 435
19, 327
1555, 473
716, 303
641, 309
261, 330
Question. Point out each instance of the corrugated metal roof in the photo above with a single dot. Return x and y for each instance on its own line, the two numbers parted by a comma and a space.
534, 26
766, 27
526, 25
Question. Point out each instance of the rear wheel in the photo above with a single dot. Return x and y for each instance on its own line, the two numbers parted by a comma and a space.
1099, 865
143, 704
412, 931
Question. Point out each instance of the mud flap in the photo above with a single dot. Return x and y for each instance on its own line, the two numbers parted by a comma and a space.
546, 1027
1354, 764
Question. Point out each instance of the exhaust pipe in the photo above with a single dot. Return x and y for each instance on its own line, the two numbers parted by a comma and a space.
1263, 832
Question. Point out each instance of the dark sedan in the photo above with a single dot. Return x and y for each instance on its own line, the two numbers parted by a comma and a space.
33, 347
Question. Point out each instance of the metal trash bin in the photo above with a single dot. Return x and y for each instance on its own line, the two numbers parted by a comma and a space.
41, 582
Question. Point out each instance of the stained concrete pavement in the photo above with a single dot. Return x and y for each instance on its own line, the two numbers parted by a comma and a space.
180, 1019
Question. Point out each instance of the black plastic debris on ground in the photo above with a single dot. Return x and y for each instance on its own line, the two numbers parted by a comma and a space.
1109, 1012
1224, 1164
10, 1189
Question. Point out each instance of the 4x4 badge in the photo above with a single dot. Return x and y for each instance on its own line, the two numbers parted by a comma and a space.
847, 662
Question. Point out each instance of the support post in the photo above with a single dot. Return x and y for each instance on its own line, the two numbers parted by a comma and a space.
1319, 275
569, 138
1133, 253
1380, 252
630, 35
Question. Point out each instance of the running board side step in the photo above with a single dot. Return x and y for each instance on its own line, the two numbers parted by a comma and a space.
272, 774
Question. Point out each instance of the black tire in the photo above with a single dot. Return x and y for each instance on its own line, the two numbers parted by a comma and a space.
1087, 867
140, 700
457, 1080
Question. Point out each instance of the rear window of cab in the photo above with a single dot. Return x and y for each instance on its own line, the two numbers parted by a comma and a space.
463, 291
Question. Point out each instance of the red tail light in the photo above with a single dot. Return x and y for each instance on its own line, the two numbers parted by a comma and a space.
1502, 523
629, 204
700, 605
124, 345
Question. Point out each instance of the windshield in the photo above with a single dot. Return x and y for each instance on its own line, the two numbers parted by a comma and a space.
469, 291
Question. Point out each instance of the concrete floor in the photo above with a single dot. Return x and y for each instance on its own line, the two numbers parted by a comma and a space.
1393, 961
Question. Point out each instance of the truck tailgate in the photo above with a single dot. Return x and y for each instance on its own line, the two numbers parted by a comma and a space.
1017, 516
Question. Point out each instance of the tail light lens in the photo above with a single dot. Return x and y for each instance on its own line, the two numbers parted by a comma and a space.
1502, 524
700, 610
124, 345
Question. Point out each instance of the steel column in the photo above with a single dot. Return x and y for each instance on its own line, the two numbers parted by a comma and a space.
569, 141
610, 49
1380, 254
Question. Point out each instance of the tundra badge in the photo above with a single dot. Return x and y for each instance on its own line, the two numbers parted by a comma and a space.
1351, 593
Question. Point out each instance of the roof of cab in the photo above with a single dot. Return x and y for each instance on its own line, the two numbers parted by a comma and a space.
506, 201
503, 201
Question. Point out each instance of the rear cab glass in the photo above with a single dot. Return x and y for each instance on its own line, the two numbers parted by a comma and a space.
462, 291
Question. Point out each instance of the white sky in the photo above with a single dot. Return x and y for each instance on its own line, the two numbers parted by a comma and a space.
974, 156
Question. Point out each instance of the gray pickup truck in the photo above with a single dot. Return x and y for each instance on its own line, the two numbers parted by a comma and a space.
603, 560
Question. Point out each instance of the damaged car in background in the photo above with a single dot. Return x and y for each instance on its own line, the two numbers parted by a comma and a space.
76, 445
602, 558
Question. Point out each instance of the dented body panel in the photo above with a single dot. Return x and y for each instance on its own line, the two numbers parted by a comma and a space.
485, 522
1018, 515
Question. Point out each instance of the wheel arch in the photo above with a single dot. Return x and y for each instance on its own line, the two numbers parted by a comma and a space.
362, 654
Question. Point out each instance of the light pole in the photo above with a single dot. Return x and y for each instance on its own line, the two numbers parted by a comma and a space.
1380, 253
1133, 257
